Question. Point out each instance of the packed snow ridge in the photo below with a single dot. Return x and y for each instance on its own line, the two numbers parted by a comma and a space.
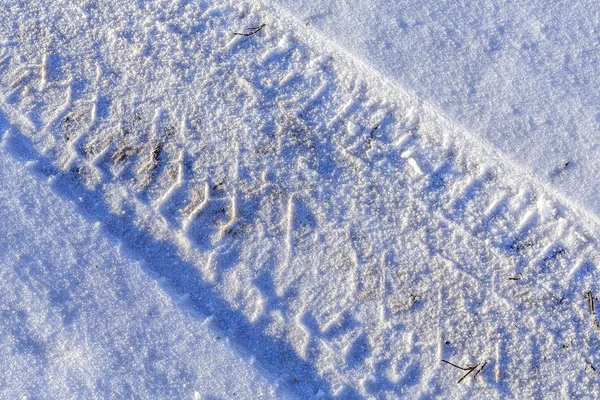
209, 199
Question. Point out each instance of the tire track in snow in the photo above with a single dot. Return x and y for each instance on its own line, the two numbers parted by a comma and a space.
379, 183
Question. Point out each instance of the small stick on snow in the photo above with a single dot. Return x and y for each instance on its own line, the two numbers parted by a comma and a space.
250, 31
480, 369
218, 185
471, 369
468, 369
590, 297
516, 278
454, 365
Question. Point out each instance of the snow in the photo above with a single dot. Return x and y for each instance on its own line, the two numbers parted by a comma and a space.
82, 319
524, 76
200, 205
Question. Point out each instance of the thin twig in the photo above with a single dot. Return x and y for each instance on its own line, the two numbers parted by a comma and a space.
468, 369
590, 297
471, 369
480, 369
250, 31
516, 278
456, 366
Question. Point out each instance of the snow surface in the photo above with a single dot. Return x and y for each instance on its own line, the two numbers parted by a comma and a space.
81, 319
234, 172
524, 76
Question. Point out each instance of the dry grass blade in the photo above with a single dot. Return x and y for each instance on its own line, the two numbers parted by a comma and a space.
250, 31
